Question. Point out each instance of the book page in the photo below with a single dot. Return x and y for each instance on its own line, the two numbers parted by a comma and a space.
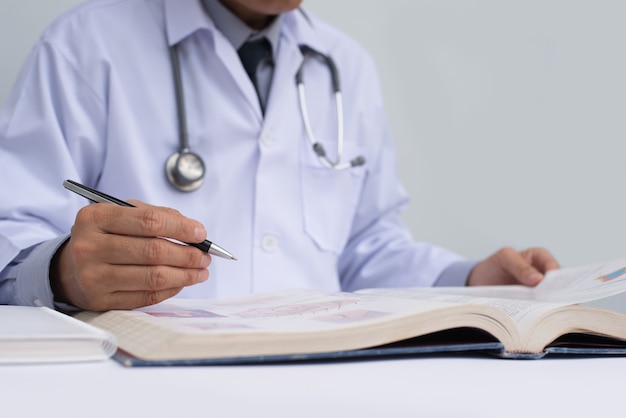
583, 284
524, 304
564, 286
297, 310
520, 309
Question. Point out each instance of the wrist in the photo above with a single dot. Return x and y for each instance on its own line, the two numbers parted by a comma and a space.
59, 269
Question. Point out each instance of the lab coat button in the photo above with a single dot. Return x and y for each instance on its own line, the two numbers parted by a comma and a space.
269, 243
266, 138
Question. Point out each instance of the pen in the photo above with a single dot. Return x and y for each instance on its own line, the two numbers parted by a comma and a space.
99, 197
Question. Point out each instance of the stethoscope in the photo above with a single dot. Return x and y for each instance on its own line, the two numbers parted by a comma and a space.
185, 169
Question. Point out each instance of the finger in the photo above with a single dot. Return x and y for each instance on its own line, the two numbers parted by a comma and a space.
172, 224
130, 287
515, 264
143, 221
125, 250
112, 278
131, 300
541, 259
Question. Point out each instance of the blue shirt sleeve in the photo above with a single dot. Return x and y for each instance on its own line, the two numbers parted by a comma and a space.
25, 281
456, 274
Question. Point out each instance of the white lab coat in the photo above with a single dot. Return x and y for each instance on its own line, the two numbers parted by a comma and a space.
95, 103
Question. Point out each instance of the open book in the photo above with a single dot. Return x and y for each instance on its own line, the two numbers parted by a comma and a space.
508, 321
41, 335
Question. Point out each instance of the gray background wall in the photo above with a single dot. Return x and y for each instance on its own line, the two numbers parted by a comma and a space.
508, 116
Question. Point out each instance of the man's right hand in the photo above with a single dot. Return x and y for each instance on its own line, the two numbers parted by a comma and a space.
116, 257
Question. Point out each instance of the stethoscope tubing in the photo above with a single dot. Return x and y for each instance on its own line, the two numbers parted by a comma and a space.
181, 111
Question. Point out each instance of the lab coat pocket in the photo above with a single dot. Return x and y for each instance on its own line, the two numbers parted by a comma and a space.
329, 200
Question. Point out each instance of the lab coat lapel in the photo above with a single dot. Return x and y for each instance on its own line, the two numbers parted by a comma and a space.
283, 90
184, 18
229, 57
297, 30
283, 98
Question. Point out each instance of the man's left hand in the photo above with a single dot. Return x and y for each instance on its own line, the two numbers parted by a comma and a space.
509, 266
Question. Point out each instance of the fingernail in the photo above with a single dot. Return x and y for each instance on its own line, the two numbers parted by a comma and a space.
199, 234
203, 275
535, 278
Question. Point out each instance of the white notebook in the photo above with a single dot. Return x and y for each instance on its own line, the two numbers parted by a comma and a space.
42, 335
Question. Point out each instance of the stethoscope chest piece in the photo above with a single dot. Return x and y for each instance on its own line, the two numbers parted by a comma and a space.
185, 170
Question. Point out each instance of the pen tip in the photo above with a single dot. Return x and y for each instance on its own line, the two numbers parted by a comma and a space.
220, 252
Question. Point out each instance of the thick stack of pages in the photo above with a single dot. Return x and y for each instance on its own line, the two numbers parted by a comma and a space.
508, 321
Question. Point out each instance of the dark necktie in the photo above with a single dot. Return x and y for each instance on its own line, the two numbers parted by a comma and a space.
251, 54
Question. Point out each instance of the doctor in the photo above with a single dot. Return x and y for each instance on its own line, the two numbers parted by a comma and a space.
97, 102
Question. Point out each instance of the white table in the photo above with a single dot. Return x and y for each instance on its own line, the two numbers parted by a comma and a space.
426, 387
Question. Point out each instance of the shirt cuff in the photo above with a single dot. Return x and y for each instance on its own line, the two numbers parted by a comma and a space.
33, 276
456, 274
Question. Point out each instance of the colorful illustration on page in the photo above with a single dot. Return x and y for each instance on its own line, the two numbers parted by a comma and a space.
612, 276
